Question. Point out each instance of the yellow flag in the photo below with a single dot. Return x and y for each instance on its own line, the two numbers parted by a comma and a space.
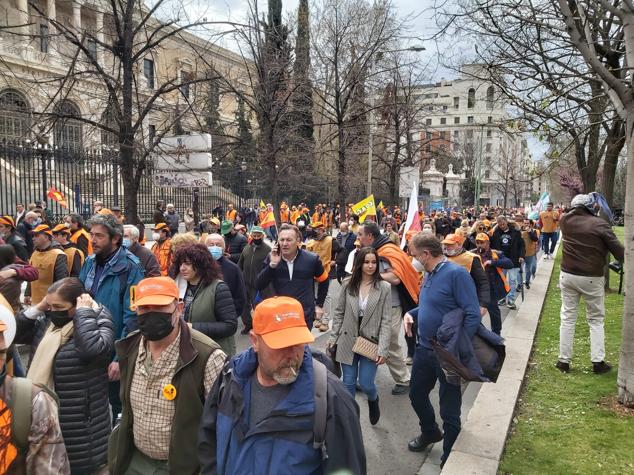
364, 208
381, 205
262, 205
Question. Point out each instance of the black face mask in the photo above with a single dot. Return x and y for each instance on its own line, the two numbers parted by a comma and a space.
257, 242
59, 318
155, 326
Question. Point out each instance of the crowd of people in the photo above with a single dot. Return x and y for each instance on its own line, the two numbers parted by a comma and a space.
133, 366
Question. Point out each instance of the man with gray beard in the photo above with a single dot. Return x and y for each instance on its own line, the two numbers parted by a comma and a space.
275, 409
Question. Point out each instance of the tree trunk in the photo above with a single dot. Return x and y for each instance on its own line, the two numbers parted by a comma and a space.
625, 380
615, 143
341, 166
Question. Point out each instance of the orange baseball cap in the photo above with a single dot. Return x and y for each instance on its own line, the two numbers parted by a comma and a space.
316, 224
61, 228
160, 226
7, 221
43, 228
153, 291
105, 211
280, 322
482, 237
453, 239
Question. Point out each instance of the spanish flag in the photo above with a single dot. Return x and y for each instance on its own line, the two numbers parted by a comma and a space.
364, 208
57, 196
269, 220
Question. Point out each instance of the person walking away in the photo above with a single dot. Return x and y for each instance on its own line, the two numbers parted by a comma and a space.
208, 305
9, 235
72, 340
25, 230
447, 287
507, 238
32, 440
250, 263
49, 260
549, 223
74, 257
172, 219
363, 311
396, 268
231, 213
157, 431
159, 213
292, 272
531, 243
189, 220
146, 258
78, 234
306, 420
230, 273
236, 242
346, 240
327, 248
162, 247
494, 263
587, 240
108, 276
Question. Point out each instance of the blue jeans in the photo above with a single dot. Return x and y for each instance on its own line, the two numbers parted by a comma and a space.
552, 238
513, 276
365, 371
426, 371
530, 267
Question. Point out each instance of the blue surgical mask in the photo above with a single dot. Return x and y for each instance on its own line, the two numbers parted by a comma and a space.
126, 242
216, 252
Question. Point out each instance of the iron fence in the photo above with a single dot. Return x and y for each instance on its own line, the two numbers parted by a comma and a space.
28, 172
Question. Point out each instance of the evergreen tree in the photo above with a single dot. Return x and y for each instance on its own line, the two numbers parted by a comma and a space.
302, 98
245, 148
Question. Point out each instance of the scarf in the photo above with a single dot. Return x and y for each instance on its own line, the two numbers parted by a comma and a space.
41, 369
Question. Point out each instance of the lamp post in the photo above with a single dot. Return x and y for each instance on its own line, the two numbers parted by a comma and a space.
372, 116
43, 150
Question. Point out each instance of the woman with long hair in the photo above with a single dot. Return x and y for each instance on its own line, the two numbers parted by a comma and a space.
363, 311
208, 303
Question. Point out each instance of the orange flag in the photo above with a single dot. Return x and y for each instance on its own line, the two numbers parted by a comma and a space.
57, 196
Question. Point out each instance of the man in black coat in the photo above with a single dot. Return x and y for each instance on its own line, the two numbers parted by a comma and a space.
235, 241
508, 239
231, 273
346, 239
9, 235
148, 259
250, 263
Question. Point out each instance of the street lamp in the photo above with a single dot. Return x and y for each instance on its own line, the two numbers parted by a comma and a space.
415, 49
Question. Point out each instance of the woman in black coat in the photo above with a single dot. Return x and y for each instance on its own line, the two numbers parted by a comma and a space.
72, 343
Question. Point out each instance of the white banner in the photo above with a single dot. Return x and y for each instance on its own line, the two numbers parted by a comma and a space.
181, 179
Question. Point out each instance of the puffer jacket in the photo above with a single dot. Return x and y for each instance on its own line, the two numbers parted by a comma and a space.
80, 373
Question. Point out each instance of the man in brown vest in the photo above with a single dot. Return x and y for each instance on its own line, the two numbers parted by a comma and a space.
452, 248
75, 256
49, 260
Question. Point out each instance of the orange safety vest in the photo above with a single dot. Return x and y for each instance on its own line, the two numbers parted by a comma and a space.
70, 256
500, 271
464, 259
294, 216
230, 215
284, 215
44, 262
81, 232
323, 249
163, 253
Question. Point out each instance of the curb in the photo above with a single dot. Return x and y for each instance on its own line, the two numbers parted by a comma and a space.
481, 442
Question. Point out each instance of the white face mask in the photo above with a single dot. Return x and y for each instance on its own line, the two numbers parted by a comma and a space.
156, 236
417, 265
451, 252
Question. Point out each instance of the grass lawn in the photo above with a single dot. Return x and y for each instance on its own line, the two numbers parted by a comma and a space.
563, 424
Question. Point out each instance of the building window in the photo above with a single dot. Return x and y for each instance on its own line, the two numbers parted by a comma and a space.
151, 133
91, 46
490, 97
15, 116
488, 147
489, 120
471, 99
444, 108
428, 148
443, 135
456, 103
456, 120
443, 121
470, 119
470, 133
68, 130
487, 174
428, 135
186, 79
428, 121
442, 148
44, 38
489, 133
456, 134
148, 72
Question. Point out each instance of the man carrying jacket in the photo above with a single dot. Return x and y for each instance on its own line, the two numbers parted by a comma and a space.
587, 240
250, 263
508, 239
167, 370
494, 263
265, 414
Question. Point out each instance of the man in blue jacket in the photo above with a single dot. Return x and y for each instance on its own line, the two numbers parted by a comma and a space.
446, 287
108, 275
263, 414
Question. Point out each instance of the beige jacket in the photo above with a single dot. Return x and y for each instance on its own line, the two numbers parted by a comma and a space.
375, 325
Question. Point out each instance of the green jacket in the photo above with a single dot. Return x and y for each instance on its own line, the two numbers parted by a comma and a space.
251, 261
195, 349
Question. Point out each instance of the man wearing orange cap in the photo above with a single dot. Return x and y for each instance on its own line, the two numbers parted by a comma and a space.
167, 370
50, 261
9, 236
452, 248
306, 420
74, 256
494, 263
162, 248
